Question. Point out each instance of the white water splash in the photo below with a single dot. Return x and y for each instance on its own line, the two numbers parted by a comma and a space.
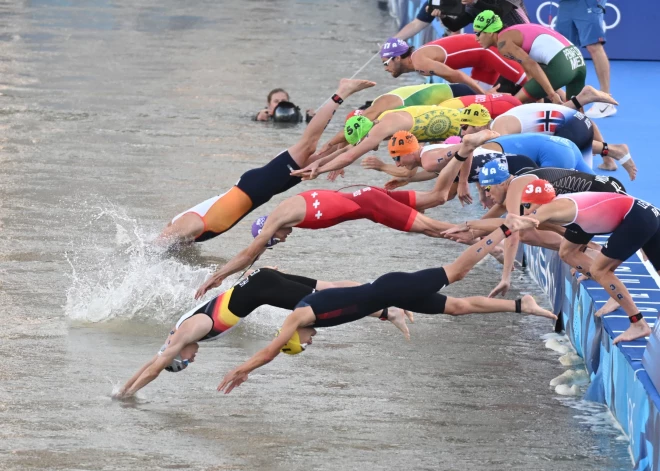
129, 278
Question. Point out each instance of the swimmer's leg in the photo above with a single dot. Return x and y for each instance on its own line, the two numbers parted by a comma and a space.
484, 305
547, 239
305, 147
590, 95
597, 149
397, 317
182, 230
617, 152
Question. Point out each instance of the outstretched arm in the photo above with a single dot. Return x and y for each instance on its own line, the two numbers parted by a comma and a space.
298, 318
369, 143
427, 66
150, 370
285, 215
374, 163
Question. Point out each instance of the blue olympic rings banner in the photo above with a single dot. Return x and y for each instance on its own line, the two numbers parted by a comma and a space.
630, 25
624, 377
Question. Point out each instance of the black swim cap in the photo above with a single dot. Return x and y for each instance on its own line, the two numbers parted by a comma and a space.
287, 112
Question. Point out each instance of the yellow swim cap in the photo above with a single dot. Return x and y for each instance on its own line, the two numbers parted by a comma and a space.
293, 346
475, 115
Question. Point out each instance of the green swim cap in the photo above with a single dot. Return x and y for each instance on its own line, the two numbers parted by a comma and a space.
488, 22
357, 128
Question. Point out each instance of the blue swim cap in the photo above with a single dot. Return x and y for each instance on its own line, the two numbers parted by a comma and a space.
494, 172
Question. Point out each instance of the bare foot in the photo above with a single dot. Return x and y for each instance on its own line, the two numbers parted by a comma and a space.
398, 317
631, 168
529, 306
621, 151
608, 164
349, 86
582, 278
590, 95
637, 330
472, 141
609, 306
573, 271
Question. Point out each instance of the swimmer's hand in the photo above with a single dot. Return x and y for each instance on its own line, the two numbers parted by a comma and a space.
232, 380
456, 229
211, 283
308, 173
556, 99
263, 115
495, 87
464, 195
372, 163
332, 176
518, 223
486, 202
501, 288
395, 183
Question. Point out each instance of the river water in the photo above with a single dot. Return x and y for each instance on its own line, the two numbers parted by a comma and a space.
115, 117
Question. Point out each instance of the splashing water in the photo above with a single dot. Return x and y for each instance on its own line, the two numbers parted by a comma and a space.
117, 273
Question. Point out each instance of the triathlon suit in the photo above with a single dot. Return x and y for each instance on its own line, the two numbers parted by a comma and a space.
561, 61
327, 208
463, 51
634, 224
431, 123
416, 292
545, 151
254, 188
496, 104
429, 93
264, 286
556, 120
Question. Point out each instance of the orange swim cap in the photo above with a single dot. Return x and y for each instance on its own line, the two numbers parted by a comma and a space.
538, 192
402, 143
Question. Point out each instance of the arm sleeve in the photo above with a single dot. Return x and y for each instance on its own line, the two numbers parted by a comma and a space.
456, 23
423, 15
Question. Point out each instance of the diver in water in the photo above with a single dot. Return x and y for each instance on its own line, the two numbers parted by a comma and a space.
280, 109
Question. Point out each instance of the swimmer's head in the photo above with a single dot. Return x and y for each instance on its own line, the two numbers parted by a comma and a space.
391, 54
493, 177
486, 26
402, 147
280, 235
299, 341
474, 118
183, 359
538, 192
357, 128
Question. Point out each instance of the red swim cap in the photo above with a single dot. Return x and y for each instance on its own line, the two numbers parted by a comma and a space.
354, 113
538, 192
